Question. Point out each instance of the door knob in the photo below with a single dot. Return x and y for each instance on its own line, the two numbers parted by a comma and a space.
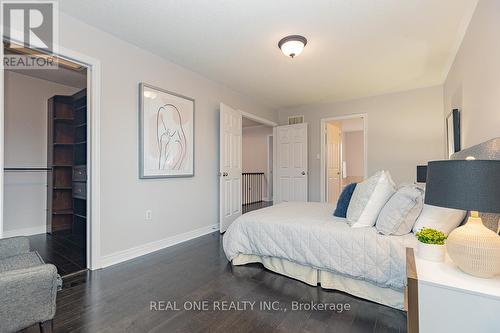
303, 173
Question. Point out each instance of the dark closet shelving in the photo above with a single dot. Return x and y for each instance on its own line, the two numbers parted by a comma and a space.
67, 162
60, 137
80, 164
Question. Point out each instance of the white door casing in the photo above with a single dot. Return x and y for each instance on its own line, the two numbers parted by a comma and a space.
230, 167
270, 166
333, 161
291, 173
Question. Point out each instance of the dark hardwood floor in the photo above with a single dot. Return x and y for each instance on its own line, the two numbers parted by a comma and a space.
66, 251
118, 298
254, 206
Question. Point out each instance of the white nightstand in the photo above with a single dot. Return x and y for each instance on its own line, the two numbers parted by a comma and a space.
445, 299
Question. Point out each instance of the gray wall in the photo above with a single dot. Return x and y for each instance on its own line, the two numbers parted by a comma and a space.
404, 129
254, 148
353, 144
179, 205
473, 83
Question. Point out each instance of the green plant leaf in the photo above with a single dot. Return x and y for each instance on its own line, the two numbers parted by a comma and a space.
431, 236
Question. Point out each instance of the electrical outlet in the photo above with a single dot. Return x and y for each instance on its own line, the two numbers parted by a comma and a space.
149, 215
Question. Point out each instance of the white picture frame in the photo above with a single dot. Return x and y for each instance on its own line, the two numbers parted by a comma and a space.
166, 133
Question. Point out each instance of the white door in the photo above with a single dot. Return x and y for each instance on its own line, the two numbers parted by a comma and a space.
229, 166
333, 160
291, 163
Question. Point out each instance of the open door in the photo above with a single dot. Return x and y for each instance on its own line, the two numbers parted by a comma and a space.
229, 166
333, 160
291, 172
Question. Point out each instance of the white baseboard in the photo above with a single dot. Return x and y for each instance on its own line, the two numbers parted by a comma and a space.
121, 256
25, 231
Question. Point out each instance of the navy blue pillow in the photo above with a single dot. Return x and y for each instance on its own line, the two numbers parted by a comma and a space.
344, 199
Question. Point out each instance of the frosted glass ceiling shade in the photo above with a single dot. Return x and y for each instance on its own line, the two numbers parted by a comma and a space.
292, 46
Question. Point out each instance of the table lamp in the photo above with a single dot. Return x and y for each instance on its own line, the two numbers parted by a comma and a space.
472, 185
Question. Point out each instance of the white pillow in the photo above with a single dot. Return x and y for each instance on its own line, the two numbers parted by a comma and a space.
369, 198
439, 218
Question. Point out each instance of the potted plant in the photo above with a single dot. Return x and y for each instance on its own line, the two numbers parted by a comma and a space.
431, 244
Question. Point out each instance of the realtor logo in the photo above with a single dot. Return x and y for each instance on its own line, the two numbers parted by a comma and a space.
29, 30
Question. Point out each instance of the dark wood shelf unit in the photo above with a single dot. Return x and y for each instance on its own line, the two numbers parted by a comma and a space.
80, 164
66, 148
60, 133
61, 176
63, 212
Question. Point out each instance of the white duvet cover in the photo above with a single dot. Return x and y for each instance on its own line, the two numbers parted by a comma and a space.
307, 233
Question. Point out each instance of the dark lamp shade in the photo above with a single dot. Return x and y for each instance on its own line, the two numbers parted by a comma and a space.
464, 184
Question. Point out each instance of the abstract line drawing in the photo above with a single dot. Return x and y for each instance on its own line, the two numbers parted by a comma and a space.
166, 134
171, 138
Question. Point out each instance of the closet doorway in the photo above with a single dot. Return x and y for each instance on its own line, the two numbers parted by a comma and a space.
45, 162
343, 154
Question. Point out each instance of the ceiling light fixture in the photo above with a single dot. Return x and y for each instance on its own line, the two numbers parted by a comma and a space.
292, 45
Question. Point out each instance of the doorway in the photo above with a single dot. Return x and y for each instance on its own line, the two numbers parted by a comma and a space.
343, 154
235, 195
287, 170
50, 166
257, 169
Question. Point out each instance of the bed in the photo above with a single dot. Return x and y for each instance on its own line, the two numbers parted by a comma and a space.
306, 242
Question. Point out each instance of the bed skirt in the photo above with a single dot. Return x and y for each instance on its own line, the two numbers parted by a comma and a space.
327, 280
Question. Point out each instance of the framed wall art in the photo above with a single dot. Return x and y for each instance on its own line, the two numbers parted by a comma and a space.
453, 132
166, 130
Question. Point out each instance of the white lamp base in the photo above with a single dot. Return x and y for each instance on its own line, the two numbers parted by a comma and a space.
474, 248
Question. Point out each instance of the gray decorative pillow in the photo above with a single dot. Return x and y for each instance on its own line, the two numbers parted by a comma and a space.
401, 211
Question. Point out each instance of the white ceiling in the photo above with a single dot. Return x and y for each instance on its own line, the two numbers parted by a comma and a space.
61, 75
356, 48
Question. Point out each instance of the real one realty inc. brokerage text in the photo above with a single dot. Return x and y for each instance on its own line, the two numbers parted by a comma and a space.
205, 305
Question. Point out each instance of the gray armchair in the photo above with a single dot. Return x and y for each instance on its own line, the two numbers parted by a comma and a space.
28, 287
